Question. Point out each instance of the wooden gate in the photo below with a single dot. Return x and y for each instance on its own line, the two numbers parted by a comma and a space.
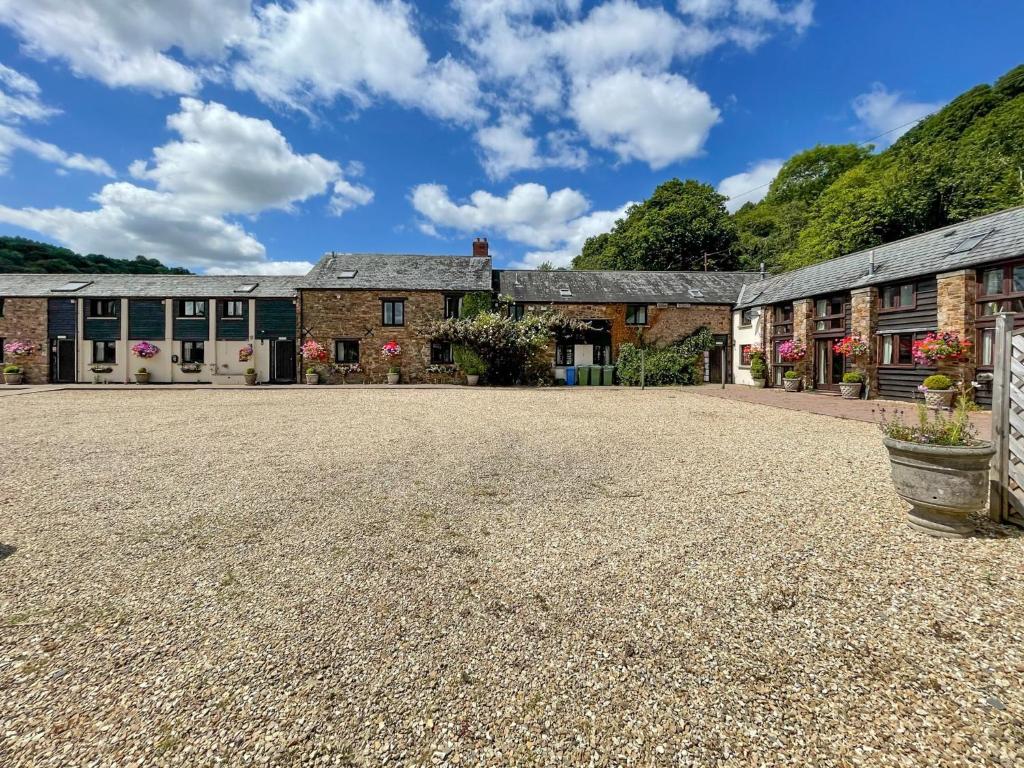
1006, 478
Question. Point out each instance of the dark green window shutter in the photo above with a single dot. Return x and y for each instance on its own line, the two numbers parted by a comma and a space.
275, 318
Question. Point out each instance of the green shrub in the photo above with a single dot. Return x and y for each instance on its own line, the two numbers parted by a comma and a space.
250, 371
662, 366
853, 377
475, 303
469, 362
310, 371
12, 369
938, 381
142, 370
758, 367
394, 369
791, 374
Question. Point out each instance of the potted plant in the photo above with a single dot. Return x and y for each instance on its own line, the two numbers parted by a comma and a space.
939, 467
792, 352
391, 351
470, 363
853, 382
855, 349
12, 374
142, 376
250, 377
758, 368
347, 369
312, 377
938, 391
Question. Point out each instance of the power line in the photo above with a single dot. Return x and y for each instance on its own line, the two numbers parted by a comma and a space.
859, 143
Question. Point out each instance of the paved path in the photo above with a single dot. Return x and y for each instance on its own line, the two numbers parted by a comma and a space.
826, 405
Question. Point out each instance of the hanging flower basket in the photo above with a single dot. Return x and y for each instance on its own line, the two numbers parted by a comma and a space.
245, 354
851, 346
391, 350
145, 350
19, 348
791, 352
314, 352
945, 347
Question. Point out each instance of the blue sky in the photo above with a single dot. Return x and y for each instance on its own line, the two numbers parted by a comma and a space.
238, 136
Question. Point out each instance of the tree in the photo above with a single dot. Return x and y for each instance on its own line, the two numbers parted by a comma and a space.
679, 226
19, 254
809, 173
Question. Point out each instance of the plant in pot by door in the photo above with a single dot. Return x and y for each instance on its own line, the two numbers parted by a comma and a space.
12, 374
250, 377
938, 391
792, 352
391, 351
853, 382
142, 376
470, 363
313, 352
312, 377
758, 368
939, 467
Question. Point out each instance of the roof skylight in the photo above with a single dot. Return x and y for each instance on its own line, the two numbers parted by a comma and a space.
696, 293
73, 285
347, 274
564, 292
246, 288
969, 243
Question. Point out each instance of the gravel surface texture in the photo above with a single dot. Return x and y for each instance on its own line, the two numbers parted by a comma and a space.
474, 577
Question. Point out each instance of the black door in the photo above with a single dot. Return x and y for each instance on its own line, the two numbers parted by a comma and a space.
62, 361
282, 361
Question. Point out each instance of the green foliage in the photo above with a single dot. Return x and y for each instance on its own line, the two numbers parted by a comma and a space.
809, 173
18, 254
469, 362
142, 370
310, 371
697, 342
12, 369
475, 303
250, 371
758, 366
791, 374
938, 381
853, 377
672, 229
394, 369
935, 429
662, 366
515, 351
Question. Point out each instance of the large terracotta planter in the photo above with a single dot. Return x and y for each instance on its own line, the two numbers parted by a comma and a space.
943, 484
850, 390
791, 385
13, 378
938, 398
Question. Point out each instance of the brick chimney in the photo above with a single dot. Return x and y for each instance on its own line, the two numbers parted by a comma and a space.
480, 247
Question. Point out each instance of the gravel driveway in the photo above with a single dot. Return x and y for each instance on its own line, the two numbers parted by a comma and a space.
550, 577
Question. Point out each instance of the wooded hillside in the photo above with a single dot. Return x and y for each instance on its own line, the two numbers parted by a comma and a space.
18, 254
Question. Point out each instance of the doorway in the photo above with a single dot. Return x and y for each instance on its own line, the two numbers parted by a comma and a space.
62, 361
828, 366
282, 361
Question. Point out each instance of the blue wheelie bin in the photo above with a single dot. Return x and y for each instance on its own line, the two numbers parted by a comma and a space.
570, 376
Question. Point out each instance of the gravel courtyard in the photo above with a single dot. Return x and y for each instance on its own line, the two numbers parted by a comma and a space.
512, 577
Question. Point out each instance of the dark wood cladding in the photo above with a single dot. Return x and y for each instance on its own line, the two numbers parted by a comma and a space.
275, 319
923, 315
902, 383
146, 319
233, 328
62, 318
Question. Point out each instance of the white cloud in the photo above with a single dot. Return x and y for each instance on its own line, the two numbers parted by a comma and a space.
558, 222
127, 43
507, 147
317, 50
579, 230
751, 14
658, 119
12, 140
20, 98
265, 268
749, 186
224, 164
883, 111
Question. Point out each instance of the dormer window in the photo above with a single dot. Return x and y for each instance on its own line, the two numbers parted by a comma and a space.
564, 293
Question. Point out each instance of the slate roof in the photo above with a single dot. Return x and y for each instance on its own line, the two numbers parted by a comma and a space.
149, 286
600, 286
995, 237
400, 272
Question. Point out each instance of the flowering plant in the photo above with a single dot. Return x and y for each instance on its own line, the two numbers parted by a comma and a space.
391, 349
937, 347
19, 348
314, 351
791, 352
441, 368
346, 368
245, 353
851, 346
145, 350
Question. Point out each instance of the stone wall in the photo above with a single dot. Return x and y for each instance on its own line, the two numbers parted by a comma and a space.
326, 315
803, 333
664, 324
25, 320
957, 293
864, 323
